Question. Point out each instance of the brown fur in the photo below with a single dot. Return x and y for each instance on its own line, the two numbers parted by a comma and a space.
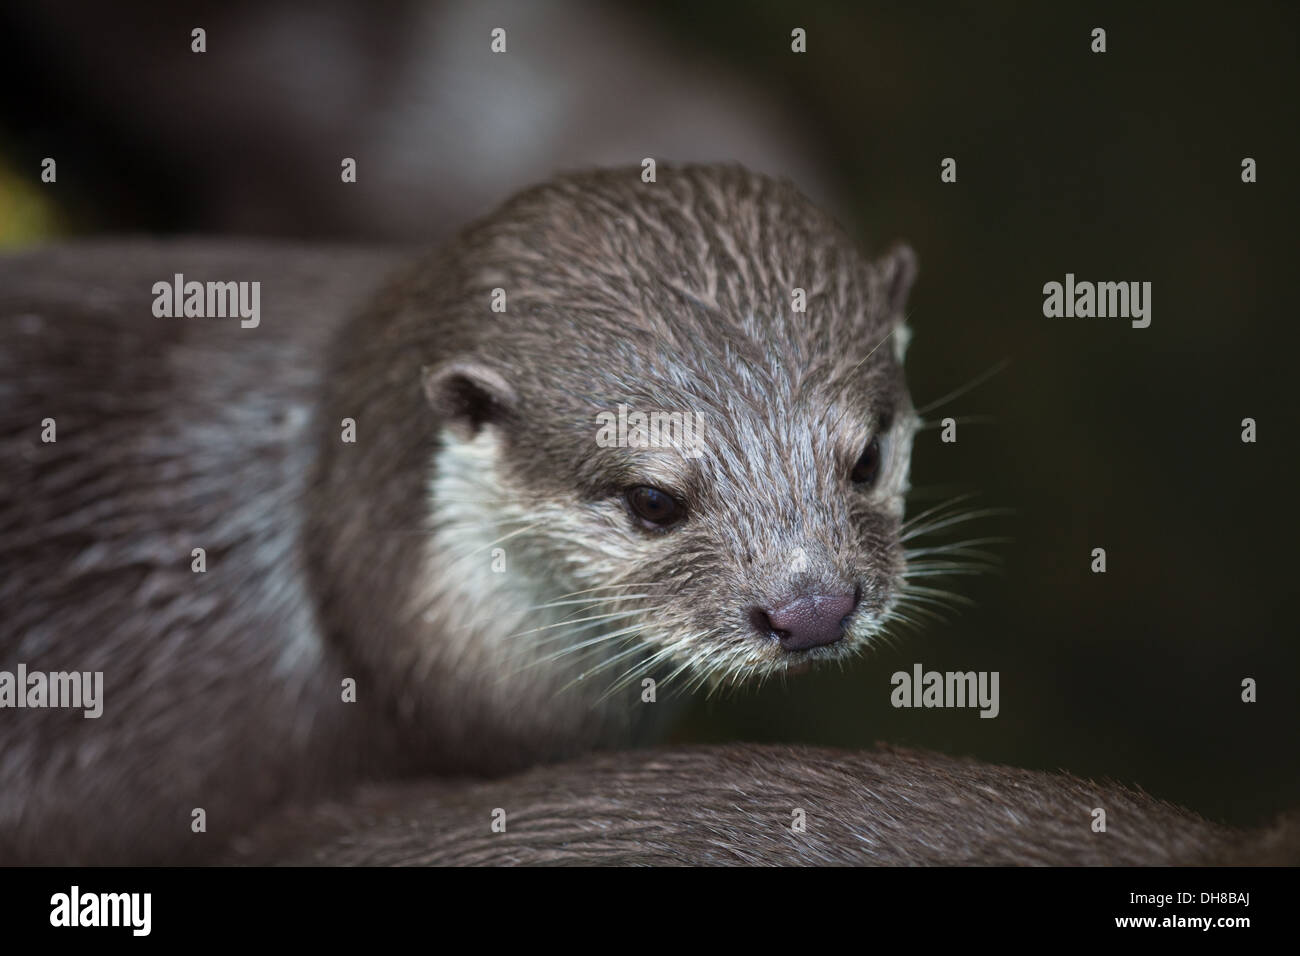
672, 295
733, 805
172, 434
330, 560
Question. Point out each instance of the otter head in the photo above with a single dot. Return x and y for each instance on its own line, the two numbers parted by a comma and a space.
683, 430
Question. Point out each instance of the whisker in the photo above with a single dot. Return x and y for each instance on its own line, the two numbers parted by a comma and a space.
590, 642
945, 572
636, 647
641, 667
957, 393
605, 587
951, 502
567, 622
588, 602
948, 522
955, 547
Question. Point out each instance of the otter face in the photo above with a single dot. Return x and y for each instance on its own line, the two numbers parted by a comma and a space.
778, 545
699, 453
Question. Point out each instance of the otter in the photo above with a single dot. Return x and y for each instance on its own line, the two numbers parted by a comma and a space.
382, 532
761, 805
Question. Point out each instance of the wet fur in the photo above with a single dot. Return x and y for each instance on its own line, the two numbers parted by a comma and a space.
328, 560
172, 435
672, 295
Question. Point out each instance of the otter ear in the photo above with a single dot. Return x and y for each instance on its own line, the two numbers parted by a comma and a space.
897, 269
467, 395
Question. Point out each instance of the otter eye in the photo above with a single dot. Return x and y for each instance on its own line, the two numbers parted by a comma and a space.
867, 469
654, 506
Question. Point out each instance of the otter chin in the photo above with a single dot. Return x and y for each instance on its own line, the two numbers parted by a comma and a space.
616, 437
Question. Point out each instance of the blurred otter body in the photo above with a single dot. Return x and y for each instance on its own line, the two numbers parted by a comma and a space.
398, 489
737, 805
172, 435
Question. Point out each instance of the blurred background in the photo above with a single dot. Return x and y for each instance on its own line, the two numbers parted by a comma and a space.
1117, 166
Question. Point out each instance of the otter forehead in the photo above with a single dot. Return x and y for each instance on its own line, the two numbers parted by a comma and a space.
714, 291
602, 264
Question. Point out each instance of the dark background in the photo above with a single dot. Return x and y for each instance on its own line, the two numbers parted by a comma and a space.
1119, 166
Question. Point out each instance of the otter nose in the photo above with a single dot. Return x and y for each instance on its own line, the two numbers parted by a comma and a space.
807, 621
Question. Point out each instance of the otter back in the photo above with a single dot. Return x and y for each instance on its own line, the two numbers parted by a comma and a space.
740, 805
171, 434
